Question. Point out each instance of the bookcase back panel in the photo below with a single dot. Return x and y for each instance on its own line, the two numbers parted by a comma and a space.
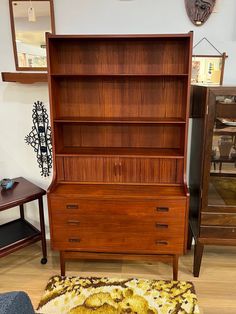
118, 135
122, 170
121, 97
120, 56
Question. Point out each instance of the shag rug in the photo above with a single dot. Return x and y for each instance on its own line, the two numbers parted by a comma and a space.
75, 295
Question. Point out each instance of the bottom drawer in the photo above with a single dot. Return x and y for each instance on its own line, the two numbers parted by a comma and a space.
218, 232
122, 243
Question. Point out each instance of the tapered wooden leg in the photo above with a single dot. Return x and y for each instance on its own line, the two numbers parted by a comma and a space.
42, 229
190, 238
198, 251
62, 263
175, 267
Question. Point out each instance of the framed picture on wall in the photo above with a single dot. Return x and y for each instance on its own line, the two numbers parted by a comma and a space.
208, 69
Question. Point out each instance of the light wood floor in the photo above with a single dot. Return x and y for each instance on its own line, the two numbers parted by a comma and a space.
216, 286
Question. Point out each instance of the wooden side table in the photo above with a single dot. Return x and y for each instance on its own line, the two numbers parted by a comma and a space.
20, 233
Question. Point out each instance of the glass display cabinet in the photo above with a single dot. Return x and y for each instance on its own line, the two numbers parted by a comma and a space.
212, 175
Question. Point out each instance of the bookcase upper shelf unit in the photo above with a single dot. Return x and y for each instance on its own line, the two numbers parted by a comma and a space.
134, 55
121, 96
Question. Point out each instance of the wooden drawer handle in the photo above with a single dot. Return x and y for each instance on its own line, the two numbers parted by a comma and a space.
161, 242
73, 222
161, 226
74, 240
120, 168
162, 209
72, 206
115, 168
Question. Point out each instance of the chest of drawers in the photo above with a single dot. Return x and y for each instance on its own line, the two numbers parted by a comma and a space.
117, 220
118, 226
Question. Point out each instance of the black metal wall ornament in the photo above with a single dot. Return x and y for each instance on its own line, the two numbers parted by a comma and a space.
40, 138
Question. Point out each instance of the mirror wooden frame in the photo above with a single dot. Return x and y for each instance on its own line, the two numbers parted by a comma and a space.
18, 68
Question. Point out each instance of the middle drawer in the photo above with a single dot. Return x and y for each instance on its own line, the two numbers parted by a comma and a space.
102, 223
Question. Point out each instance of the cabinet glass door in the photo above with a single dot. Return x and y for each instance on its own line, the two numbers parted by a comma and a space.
222, 182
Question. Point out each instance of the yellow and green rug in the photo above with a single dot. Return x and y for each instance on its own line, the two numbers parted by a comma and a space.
76, 295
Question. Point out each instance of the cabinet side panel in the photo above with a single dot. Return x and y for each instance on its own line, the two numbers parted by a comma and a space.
196, 150
198, 101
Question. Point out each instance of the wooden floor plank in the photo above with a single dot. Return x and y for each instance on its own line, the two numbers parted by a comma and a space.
215, 288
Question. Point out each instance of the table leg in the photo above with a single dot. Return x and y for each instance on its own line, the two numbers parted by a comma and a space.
22, 215
42, 228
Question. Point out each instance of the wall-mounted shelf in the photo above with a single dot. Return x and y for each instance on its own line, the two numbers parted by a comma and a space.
24, 78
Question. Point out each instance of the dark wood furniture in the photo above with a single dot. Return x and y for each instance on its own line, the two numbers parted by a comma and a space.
20, 233
212, 169
119, 110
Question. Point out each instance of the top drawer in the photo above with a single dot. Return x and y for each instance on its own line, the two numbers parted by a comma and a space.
165, 208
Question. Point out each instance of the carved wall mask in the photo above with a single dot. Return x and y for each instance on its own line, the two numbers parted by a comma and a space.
199, 10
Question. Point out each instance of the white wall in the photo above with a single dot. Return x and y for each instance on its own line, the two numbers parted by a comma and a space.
95, 17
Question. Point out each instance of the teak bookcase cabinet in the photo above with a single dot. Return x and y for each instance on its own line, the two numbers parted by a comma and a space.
119, 110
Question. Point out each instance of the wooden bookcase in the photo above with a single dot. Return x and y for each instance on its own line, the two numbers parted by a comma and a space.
119, 114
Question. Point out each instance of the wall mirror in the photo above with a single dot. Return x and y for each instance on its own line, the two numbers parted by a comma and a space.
30, 20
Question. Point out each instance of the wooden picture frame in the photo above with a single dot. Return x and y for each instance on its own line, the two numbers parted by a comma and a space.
13, 29
220, 76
